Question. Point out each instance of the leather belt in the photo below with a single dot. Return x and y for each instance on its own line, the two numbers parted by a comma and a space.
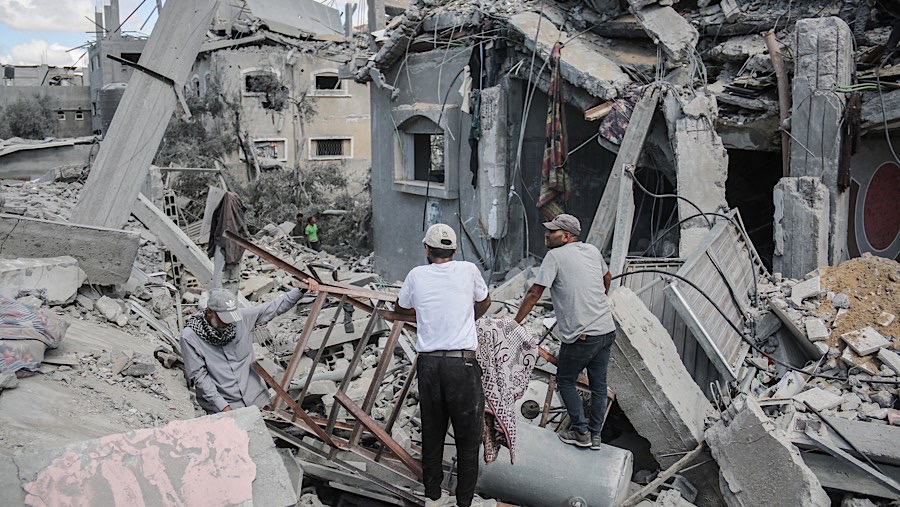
468, 354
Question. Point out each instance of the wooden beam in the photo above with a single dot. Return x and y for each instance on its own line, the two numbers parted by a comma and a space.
194, 259
629, 153
140, 121
105, 255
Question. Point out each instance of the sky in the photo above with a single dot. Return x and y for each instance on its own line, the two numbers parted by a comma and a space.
33, 32
55, 32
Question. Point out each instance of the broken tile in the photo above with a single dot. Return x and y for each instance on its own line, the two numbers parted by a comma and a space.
819, 398
805, 289
853, 360
865, 341
816, 330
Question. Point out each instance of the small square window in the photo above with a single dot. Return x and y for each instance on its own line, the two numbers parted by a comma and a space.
79, 115
61, 115
330, 149
329, 84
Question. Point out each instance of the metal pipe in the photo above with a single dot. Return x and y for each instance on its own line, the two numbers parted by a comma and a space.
784, 99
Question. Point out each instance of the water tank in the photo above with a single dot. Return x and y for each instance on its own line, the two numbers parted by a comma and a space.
110, 96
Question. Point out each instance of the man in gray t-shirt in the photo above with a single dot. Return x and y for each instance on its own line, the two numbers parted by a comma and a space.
578, 280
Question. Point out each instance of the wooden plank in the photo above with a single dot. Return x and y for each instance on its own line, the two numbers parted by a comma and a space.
624, 221
106, 255
140, 121
661, 478
376, 430
193, 258
629, 153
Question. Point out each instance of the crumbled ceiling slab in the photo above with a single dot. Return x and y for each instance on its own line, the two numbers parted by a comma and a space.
582, 64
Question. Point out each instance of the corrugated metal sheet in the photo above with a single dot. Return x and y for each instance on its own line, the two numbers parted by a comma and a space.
649, 287
722, 268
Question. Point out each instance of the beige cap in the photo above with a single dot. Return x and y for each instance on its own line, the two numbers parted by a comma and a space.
565, 222
224, 304
440, 236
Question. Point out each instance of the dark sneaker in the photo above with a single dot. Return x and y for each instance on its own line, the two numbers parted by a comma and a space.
595, 442
573, 437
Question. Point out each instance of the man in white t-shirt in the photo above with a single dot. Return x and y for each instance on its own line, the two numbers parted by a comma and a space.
446, 297
579, 280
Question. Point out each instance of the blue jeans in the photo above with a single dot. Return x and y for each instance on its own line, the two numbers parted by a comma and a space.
592, 354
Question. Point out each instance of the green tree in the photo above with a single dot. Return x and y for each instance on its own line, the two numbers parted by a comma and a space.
29, 118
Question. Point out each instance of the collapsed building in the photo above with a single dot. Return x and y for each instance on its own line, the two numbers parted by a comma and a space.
753, 363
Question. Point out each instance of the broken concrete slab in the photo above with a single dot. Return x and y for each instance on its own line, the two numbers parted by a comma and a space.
806, 289
890, 359
854, 360
112, 310
651, 383
59, 276
580, 61
802, 210
669, 29
105, 255
256, 286
8, 381
816, 330
183, 461
885, 319
759, 465
701, 160
865, 341
819, 399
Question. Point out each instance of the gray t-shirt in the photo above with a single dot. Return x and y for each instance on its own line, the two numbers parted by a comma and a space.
574, 273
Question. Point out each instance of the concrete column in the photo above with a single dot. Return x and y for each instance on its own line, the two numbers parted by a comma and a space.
824, 60
701, 162
492, 162
801, 226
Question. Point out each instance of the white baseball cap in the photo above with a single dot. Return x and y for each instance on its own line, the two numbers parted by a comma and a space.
224, 303
440, 236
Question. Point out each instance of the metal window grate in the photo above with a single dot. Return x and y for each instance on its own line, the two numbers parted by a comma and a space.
329, 147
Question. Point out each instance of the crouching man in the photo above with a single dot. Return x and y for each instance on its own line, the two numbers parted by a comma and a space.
217, 345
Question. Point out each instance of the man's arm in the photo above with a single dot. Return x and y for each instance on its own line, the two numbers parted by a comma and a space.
481, 307
261, 314
607, 280
404, 311
531, 298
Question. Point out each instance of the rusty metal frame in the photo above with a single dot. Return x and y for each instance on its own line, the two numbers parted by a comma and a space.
332, 430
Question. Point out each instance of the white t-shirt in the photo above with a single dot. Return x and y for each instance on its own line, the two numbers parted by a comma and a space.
443, 296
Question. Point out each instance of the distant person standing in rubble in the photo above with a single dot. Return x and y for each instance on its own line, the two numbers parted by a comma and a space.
218, 349
446, 297
579, 281
312, 234
299, 230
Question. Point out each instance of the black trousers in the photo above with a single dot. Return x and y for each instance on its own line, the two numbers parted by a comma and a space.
450, 391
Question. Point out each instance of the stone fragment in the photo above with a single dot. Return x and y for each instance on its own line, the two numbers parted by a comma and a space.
853, 360
256, 286
851, 401
805, 289
884, 399
109, 308
8, 381
758, 463
890, 359
865, 341
873, 411
59, 276
139, 369
84, 302
819, 399
857, 502
816, 330
841, 301
885, 319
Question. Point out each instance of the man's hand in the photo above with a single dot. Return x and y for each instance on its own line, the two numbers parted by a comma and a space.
607, 280
227, 408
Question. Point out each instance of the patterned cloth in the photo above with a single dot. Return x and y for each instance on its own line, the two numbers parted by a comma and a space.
555, 185
614, 125
211, 335
507, 353
25, 333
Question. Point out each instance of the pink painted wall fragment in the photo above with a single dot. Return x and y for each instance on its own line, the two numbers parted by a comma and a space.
197, 462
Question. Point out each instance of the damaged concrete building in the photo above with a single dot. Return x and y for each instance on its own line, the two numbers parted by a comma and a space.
715, 153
